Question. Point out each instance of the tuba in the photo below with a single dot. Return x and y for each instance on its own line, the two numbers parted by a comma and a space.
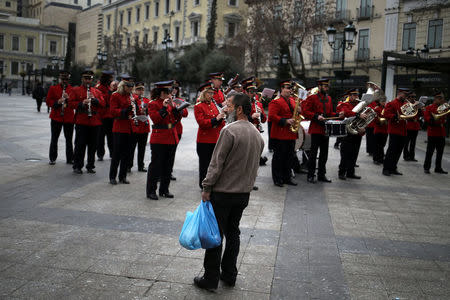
358, 124
296, 115
442, 110
376, 91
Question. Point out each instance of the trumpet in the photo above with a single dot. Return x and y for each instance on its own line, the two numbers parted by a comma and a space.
442, 110
65, 101
296, 115
88, 96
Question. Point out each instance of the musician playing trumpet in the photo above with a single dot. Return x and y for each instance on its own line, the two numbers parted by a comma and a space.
351, 143
61, 117
86, 100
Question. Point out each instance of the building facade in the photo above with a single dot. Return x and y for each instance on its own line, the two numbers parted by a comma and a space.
89, 26
27, 48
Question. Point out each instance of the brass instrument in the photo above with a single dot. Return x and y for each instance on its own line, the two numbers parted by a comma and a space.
88, 96
442, 110
358, 123
133, 109
64, 105
382, 120
376, 91
296, 115
409, 110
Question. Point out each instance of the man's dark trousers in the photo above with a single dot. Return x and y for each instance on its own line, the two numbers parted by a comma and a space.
228, 208
56, 128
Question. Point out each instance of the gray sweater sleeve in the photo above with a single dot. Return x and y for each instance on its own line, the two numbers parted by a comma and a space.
221, 151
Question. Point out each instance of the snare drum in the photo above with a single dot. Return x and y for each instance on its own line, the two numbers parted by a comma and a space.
335, 128
304, 138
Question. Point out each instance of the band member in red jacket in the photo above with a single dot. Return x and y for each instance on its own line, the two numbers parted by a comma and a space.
380, 133
318, 107
87, 101
350, 143
210, 119
61, 117
436, 134
177, 101
105, 115
163, 140
140, 130
412, 130
281, 112
396, 131
217, 79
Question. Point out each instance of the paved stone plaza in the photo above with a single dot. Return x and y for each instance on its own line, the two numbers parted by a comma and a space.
66, 236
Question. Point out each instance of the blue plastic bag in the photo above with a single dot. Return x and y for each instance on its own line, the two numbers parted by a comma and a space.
200, 228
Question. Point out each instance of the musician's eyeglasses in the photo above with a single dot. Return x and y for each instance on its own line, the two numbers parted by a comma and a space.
139, 89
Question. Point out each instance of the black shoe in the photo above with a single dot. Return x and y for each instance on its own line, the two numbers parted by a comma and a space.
336, 146
277, 183
77, 171
426, 171
166, 194
129, 170
202, 283
100, 158
354, 176
124, 181
255, 188
113, 181
311, 179
323, 178
413, 159
291, 182
356, 166
143, 169
440, 171
152, 196
395, 172
172, 177
377, 162
228, 281
342, 177
69, 162
91, 171
52, 163
407, 159
386, 173
262, 161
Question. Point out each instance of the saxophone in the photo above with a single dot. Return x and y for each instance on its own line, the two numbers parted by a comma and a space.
88, 96
296, 114
64, 105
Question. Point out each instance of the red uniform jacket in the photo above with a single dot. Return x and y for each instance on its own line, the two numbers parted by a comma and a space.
413, 123
261, 109
76, 98
219, 97
314, 107
183, 114
435, 127
391, 112
279, 112
106, 93
208, 127
346, 107
121, 112
53, 95
142, 109
379, 128
372, 106
163, 119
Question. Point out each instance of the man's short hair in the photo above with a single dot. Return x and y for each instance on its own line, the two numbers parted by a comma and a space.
232, 93
243, 100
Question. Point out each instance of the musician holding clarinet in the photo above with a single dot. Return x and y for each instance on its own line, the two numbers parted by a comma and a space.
86, 100
217, 80
61, 117
105, 115
121, 109
163, 139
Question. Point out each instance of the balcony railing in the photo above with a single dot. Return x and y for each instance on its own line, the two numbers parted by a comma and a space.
342, 15
316, 58
365, 12
362, 54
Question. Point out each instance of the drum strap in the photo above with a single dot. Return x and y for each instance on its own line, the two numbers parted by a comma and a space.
324, 102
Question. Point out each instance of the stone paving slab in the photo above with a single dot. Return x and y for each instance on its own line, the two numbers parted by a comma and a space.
76, 237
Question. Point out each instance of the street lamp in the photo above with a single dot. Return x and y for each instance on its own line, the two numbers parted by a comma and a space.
420, 53
167, 42
101, 57
346, 44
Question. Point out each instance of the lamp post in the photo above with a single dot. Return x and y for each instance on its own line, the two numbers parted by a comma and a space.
167, 42
281, 62
101, 57
420, 53
347, 43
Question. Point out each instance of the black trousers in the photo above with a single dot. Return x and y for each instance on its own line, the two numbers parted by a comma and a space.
380, 143
338, 140
318, 142
39, 104
159, 167
282, 160
173, 159
350, 145
204, 152
438, 143
68, 134
394, 151
139, 140
228, 208
120, 155
269, 127
370, 140
105, 130
85, 136
409, 150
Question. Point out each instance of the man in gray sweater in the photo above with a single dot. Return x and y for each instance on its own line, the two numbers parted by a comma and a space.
230, 178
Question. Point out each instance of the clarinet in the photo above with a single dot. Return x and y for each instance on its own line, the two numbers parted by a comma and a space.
219, 108
258, 110
143, 108
65, 101
133, 109
88, 96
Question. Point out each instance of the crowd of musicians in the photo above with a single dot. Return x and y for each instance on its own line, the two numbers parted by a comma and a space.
118, 112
